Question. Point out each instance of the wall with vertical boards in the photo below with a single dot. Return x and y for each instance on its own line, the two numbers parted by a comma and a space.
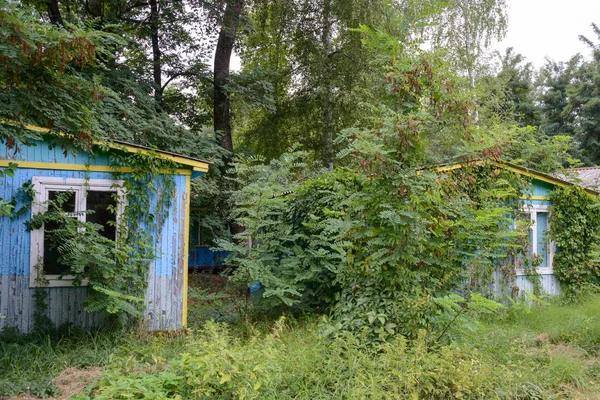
165, 295
538, 196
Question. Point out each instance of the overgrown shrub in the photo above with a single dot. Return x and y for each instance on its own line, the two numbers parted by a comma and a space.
377, 240
540, 353
302, 365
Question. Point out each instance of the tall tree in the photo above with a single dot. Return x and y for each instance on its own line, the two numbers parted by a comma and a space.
321, 73
45, 74
326, 88
517, 76
54, 12
165, 40
584, 102
317, 67
554, 81
153, 26
466, 28
223, 51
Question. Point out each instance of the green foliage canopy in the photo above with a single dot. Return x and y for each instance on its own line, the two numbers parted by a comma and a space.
377, 241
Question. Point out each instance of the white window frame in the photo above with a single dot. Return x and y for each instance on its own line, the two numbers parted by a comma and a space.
42, 185
532, 210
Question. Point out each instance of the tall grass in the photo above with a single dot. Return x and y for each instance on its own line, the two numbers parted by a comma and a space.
29, 362
521, 355
543, 353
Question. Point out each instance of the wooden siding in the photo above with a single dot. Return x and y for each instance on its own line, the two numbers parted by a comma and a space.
549, 285
541, 188
164, 296
39, 152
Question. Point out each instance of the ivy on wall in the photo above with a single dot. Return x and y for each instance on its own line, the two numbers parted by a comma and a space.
486, 186
6, 207
575, 227
115, 272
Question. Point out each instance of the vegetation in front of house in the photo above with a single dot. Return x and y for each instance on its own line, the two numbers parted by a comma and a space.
7, 207
380, 241
541, 353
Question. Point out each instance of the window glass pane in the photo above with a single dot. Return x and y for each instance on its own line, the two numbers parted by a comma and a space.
102, 203
52, 265
195, 233
67, 199
541, 227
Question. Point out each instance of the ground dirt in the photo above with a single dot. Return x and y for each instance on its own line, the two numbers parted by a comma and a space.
69, 382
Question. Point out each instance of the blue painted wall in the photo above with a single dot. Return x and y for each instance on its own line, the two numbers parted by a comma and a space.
549, 283
38, 151
541, 188
164, 296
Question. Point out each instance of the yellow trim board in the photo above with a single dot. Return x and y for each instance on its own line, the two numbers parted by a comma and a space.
535, 198
197, 165
445, 168
186, 248
531, 174
80, 167
518, 170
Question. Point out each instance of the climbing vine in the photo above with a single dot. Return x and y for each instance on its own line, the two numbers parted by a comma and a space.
486, 185
575, 228
6, 207
115, 272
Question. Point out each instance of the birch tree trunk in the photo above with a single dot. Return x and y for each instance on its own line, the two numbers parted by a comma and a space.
327, 92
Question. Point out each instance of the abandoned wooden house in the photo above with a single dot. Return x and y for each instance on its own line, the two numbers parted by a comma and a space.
536, 203
93, 180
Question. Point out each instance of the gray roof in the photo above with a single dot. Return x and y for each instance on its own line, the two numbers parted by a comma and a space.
588, 177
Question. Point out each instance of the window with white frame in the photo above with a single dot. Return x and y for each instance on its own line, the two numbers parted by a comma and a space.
88, 200
540, 248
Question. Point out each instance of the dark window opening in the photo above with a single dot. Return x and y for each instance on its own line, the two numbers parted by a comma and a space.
64, 201
103, 205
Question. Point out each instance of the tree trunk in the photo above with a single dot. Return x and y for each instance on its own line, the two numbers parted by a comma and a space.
156, 62
327, 92
222, 112
54, 12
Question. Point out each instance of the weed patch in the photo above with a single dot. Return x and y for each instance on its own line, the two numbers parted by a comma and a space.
547, 352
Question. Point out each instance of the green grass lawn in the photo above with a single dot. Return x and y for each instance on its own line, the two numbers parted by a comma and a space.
549, 352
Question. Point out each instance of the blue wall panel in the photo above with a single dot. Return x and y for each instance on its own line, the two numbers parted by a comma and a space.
39, 152
164, 302
204, 257
165, 287
550, 284
541, 188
